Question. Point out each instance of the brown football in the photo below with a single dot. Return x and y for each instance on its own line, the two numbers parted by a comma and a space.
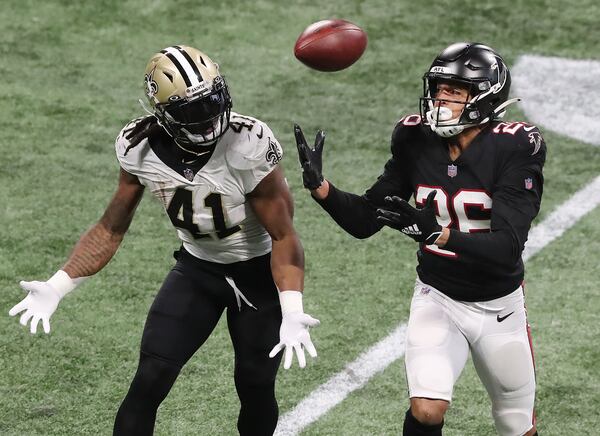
330, 45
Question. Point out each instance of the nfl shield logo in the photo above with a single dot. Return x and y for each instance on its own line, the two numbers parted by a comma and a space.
528, 183
452, 170
189, 174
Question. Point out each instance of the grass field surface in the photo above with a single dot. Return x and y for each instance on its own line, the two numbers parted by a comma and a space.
72, 74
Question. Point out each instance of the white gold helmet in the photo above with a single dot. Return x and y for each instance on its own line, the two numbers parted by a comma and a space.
188, 95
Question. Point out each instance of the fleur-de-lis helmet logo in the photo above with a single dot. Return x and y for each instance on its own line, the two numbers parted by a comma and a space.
150, 84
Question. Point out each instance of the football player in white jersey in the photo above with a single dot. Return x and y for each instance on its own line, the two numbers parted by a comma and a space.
217, 175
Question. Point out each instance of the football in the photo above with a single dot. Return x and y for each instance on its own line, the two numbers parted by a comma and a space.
330, 45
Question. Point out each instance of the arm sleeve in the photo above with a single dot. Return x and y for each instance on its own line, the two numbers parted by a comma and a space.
356, 214
351, 212
515, 203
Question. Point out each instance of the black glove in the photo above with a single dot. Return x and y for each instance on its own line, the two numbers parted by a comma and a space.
143, 128
311, 159
419, 224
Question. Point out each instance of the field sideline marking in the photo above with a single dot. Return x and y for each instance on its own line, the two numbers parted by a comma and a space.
391, 348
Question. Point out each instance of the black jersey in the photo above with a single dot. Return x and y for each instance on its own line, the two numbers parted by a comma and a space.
488, 197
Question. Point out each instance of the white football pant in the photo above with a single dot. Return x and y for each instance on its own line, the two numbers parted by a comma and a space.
441, 331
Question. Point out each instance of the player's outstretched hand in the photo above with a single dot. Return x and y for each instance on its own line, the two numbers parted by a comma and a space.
311, 159
39, 304
419, 224
294, 337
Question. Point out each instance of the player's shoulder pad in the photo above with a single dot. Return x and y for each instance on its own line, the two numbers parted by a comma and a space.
122, 142
253, 145
520, 139
407, 129
130, 157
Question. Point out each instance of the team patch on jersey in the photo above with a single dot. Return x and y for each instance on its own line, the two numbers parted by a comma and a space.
452, 170
274, 152
536, 139
528, 183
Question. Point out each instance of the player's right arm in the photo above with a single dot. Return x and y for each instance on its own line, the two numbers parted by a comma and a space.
98, 245
92, 252
356, 214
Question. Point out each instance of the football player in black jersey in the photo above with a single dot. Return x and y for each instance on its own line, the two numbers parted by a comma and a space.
477, 184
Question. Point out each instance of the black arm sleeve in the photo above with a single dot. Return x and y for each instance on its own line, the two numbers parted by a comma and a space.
356, 214
494, 247
515, 203
351, 212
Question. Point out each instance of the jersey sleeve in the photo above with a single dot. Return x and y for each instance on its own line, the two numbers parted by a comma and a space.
356, 214
130, 158
518, 192
516, 202
256, 156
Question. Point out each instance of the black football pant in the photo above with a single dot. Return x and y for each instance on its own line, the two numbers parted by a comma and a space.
183, 315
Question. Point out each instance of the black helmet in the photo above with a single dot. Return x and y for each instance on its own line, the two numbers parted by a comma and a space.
482, 71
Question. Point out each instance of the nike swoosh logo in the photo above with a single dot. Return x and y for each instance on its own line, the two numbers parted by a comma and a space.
261, 133
527, 129
502, 318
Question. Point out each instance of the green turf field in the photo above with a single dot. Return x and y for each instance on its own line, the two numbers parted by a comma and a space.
72, 74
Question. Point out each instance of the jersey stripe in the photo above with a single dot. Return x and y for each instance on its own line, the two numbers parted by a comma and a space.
182, 64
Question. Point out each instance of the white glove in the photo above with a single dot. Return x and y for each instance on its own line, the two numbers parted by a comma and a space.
43, 299
293, 333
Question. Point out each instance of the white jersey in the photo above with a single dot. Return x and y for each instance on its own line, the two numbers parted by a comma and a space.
209, 207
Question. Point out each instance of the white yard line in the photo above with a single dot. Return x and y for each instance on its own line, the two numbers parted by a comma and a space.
391, 348
338, 387
564, 217
574, 111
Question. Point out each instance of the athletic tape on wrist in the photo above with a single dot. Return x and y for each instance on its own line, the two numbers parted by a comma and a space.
291, 301
63, 284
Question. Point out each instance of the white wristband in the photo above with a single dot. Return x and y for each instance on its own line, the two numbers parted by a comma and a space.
63, 284
291, 301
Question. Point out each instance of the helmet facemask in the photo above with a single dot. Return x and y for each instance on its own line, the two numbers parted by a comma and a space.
198, 121
440, 118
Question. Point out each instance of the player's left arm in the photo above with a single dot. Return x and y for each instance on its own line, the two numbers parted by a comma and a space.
272, 203
516, 202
